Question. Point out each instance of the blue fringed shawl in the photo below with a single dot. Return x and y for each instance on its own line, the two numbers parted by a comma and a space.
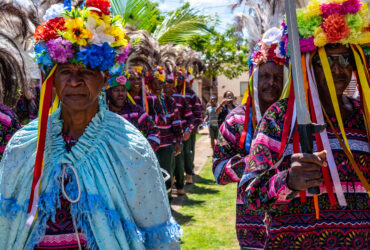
123, 204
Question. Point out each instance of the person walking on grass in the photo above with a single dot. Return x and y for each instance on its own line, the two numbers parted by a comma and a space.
212, 119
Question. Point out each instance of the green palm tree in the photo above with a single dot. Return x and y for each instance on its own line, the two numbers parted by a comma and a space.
181, 26
178, 27
139, 14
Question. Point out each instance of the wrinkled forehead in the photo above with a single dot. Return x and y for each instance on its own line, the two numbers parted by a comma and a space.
337, 49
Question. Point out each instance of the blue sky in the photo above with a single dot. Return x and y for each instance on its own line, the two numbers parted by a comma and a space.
207, 7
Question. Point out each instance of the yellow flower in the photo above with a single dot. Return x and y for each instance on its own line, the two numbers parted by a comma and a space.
364, 13
100, 19
312, 9
364, 38
119, 35
75, 31
139, 69
320, 38
161, 78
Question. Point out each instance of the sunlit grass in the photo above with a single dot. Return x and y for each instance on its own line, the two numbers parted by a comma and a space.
208, 214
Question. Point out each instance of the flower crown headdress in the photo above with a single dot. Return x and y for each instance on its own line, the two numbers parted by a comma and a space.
332, 21
269, 48
85, 36
159, 74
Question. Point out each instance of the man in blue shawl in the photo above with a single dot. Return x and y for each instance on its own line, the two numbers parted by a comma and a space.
81, 176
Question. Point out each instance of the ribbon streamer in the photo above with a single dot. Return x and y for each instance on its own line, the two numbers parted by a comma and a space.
45, 101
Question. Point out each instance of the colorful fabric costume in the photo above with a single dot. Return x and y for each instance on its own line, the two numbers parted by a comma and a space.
187, 121
229, 162
9, 125
343, 217
290, 223
111, 159
141, 120
27, 110
235, 136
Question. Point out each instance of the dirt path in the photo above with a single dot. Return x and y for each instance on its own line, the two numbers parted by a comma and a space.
202, 153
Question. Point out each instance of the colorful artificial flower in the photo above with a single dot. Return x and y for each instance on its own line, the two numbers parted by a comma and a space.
123, 54
55, 10
49, 29
122, 80
332, 21
75, 31
98, 35
119, 36
102, 5
139, 69
270, 47
88, 36
42, 56
60, 50
335, 28
97, 56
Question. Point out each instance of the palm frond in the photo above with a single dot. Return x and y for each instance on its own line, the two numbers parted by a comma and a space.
181, 26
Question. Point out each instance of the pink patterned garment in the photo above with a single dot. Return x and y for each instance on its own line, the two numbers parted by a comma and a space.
291, 223
8, 126
229, 162
60, 233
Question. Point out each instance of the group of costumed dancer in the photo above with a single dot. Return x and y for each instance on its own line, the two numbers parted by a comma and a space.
81, 176
86, 173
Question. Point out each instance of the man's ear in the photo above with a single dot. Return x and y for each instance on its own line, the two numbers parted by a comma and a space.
106, 77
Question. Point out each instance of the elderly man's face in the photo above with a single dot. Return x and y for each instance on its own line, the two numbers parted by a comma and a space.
78, 87
341, 62
118, 96
270, 82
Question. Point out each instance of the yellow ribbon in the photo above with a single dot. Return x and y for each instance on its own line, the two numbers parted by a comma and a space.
333, 93
330, 83
130, 98
246, 92
364, 86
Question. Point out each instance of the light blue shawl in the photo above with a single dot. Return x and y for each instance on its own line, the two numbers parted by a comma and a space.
123, 204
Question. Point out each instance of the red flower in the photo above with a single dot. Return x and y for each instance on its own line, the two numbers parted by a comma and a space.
49, 29
102, 5
335, 28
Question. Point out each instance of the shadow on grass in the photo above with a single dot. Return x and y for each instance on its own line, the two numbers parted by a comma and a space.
182, 219
202, 190
201, 180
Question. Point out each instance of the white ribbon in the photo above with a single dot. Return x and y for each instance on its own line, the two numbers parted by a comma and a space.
324, 136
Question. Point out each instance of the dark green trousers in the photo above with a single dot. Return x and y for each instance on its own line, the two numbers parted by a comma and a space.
188, 157
166, 159
180, 169
193, 139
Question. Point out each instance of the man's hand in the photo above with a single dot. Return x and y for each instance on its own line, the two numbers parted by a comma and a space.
186, 136
177, 149
305, 170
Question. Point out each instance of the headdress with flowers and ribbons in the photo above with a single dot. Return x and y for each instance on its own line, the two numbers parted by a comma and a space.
331, 22
266, 50
85, 36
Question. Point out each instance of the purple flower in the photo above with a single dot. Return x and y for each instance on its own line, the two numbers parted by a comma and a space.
351, 6
307, 44
60, 50
121, 58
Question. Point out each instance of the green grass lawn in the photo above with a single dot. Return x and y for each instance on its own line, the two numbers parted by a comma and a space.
207, 216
